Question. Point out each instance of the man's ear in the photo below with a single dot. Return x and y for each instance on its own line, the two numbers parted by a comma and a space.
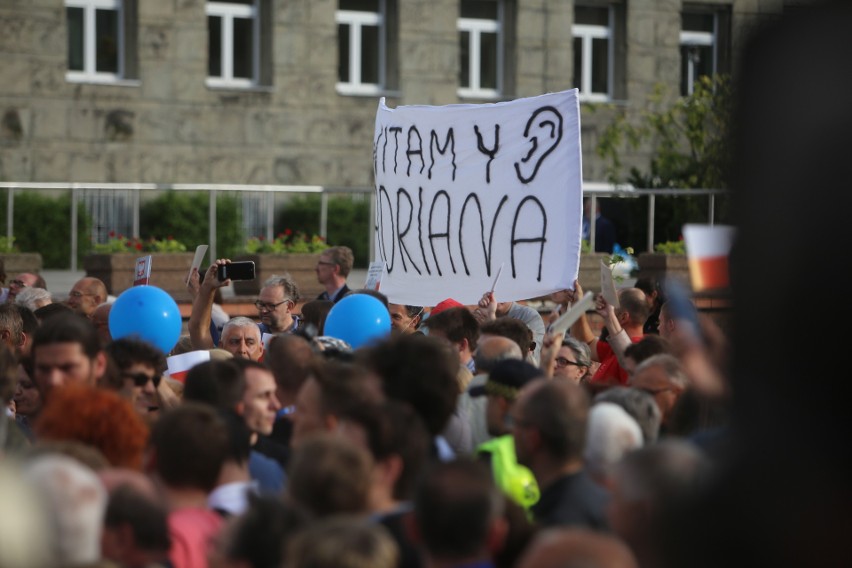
99, 366
23, 340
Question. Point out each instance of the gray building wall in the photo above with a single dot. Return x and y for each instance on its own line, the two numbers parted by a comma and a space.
167, 126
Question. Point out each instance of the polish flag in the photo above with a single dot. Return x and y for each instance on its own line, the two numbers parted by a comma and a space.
179, 365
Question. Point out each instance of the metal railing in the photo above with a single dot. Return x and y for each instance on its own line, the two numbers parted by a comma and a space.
594, 190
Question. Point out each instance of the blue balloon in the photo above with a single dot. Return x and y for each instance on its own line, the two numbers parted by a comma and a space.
148, 313
358, 319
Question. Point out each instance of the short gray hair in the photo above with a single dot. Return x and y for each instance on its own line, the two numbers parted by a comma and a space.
581, 350
29, 296
239, 321
291, 290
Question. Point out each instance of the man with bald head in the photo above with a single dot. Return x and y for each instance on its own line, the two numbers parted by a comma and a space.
22, 281
86, 295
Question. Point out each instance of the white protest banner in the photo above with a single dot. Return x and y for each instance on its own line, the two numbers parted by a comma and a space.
464, 189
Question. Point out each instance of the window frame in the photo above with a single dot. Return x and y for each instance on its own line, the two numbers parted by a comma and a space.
356, 20
228, 12
703, 39
90, 74
587, 33
475, 27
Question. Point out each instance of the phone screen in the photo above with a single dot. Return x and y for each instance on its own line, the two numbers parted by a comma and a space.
236, 271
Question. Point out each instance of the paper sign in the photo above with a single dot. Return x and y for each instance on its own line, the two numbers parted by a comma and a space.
374, 276
497, 278
143, 271
608, 286
463, 189
200, 251
566, 320
179, 365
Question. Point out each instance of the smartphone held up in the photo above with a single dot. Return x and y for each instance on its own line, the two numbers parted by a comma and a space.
243, 270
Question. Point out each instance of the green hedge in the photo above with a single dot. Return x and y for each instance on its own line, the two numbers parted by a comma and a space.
184, 216
42, 224
348, 221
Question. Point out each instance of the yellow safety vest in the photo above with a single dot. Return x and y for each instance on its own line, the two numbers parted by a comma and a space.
515, 480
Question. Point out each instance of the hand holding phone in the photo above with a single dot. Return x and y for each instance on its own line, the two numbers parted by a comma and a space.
243, 270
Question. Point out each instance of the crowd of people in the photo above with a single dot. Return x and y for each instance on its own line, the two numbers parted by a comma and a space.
469, 436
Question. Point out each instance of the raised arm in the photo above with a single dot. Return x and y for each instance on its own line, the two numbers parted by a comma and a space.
581, 330
202, 307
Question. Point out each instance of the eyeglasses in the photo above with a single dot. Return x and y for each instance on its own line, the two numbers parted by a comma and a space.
269, 307
655, 392
141, 379
18, 283
76, 294
563, 362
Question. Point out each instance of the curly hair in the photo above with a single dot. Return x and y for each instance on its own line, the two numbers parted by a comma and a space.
98, 417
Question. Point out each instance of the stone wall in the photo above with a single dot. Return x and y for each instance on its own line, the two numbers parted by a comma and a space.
167, 126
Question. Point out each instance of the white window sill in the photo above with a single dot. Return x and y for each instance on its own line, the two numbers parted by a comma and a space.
100, 79
480, 94
235, 85
353, 90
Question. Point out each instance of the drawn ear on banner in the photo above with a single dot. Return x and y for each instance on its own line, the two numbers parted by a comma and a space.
544, 131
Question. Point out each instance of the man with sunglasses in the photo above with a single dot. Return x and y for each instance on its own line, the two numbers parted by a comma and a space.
139, 368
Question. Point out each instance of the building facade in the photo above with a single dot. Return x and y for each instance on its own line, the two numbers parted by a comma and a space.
286, 91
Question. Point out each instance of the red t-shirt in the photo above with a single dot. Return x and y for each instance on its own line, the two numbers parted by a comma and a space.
610, 372
192, 530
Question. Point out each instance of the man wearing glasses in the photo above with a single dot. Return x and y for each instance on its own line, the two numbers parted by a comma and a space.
86, 295
332, 268
274, 304
21, 281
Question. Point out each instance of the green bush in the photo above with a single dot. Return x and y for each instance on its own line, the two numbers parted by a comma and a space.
183, 216
348, 221
42, 224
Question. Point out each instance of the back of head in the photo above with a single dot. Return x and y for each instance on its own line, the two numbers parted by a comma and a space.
559, 410
144, 515
27, 514
393, 428
46, 312
611, 434
220, 384
455, 324
77, 503
513, 328
314, 313
68, 328
261, 535
455, 506
639, 405
291, 359
420, 370
670, 365
577, 548
342, 542
495, 348
650, 344
374, 293
633, 302
191, 443
11, 325
329, 475
98, 417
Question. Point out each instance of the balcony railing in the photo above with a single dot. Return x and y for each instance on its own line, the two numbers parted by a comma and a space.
269, 192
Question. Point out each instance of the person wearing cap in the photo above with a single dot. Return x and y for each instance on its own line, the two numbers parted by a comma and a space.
502, 387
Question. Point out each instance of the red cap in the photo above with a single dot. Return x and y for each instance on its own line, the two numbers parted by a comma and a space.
445, 305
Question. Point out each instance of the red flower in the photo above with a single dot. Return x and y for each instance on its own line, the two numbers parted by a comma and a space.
261, 238
288, 232
171, 238
111, 234
138, 246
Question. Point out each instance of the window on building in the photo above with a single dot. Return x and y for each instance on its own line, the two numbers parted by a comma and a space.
233, 45
481, 47
362, 37
96, 40
593, 52
703, 49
